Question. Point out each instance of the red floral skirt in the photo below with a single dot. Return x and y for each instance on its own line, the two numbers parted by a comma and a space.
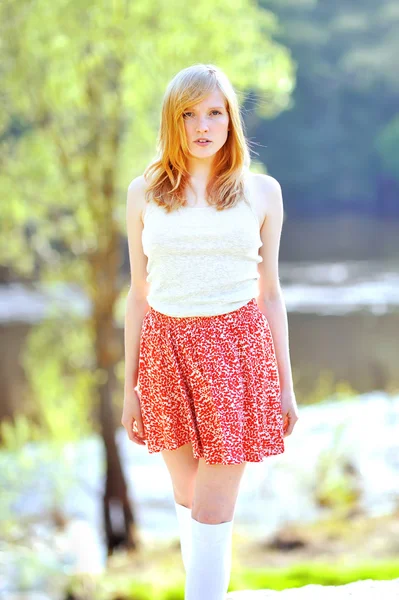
212, 381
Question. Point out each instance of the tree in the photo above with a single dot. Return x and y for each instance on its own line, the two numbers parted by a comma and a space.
323, 150
82, 84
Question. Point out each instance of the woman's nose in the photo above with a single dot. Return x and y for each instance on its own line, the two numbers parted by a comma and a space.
202, 125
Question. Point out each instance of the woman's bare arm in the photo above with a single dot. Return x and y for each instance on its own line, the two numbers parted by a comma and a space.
136, 304
271, 299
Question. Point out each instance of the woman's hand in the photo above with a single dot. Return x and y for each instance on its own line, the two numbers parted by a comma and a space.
289, 410
132, 420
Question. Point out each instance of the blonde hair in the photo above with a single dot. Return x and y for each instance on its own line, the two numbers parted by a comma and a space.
168, 173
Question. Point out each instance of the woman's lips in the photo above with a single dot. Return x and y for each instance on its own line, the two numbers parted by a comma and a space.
202, 143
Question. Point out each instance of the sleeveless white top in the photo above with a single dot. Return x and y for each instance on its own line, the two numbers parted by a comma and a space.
201, 262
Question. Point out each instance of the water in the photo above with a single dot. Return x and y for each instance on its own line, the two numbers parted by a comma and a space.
323, 288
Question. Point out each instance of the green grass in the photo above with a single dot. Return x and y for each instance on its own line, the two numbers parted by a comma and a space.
315, 573
171, 588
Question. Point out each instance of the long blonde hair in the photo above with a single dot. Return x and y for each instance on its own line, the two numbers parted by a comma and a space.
168, 174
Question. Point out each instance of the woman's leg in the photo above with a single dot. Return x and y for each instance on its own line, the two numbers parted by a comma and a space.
215, 495
183, 468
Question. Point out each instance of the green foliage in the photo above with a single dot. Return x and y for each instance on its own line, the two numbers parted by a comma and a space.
15, 434
58, 361
324, 149
337, 483
87, 121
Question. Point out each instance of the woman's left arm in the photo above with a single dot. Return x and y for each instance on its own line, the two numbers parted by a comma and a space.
270, 300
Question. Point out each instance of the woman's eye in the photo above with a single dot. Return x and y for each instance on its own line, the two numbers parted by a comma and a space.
212, 111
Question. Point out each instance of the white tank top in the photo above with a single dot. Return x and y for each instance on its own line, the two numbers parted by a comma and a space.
201, 262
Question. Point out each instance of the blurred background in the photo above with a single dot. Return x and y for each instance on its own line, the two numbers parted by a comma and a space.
84, 513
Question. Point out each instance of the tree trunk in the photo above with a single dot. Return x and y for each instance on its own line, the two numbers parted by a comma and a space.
119, 521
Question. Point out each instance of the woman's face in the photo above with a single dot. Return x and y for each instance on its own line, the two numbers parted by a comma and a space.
208, 119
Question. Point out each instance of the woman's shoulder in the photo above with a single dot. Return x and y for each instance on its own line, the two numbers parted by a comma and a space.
136, 195
265, 194
264, 181
139, 184
266, 188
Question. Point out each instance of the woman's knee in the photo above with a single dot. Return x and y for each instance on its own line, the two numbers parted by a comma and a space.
216, 492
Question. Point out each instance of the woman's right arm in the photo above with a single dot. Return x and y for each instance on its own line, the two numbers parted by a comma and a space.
136, 308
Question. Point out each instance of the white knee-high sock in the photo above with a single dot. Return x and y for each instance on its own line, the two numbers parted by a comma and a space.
208, 574
184, 518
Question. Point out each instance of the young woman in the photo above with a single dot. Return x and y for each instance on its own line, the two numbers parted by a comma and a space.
207, 369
